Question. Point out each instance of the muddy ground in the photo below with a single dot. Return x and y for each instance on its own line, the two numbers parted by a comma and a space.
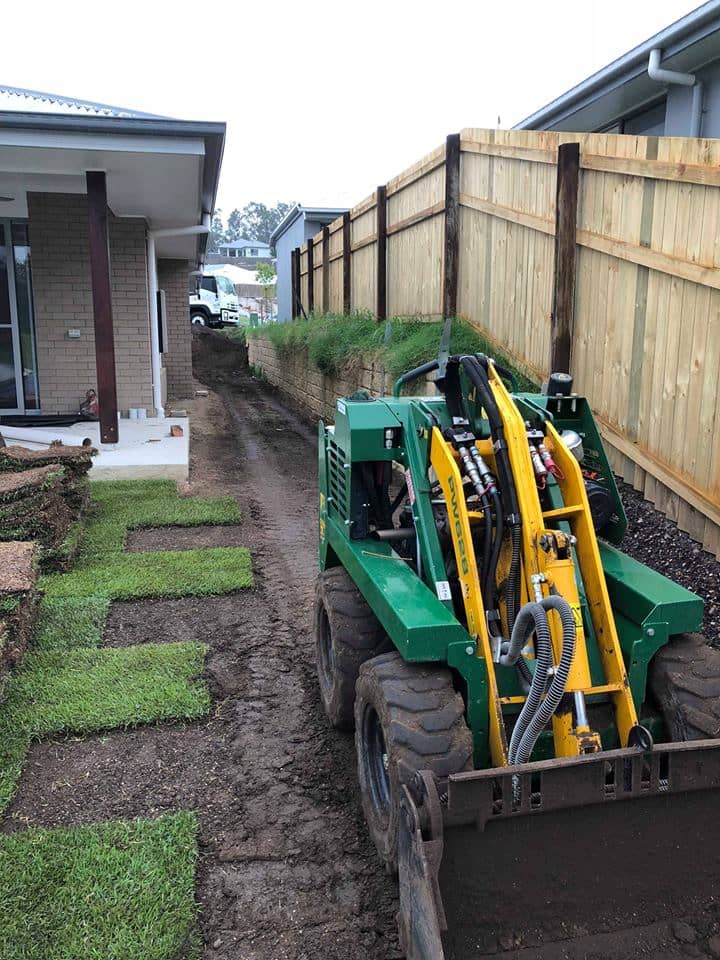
286, 871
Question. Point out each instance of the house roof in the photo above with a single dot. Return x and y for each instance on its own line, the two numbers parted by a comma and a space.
241, 242
32, 101
159, 168
624, 85
321, 214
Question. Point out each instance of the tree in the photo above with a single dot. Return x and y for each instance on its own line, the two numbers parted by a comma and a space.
265, 276
235, 225
217, 232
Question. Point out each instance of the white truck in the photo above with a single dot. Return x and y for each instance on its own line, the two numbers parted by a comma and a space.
215, 303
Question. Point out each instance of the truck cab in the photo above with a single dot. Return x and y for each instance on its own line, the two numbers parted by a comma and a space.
215, 303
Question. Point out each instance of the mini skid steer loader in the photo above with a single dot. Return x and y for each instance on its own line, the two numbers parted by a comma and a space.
534, 715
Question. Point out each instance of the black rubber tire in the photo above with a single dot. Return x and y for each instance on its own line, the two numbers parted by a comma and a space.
347, 633
199, 318
422, 725
684, 679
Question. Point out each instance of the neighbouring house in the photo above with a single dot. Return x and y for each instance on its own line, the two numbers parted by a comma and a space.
104, 213
245, 249
298, 225
667, 86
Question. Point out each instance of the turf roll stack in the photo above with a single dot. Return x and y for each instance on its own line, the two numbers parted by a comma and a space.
43, 494
18, 602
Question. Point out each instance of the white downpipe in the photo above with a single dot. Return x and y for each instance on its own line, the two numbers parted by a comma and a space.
660, 75
657, 73
156, 360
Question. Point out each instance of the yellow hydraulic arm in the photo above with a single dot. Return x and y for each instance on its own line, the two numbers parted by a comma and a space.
548, 564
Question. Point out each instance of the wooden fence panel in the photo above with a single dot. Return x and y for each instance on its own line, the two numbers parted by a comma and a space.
364, 255
318, 272
335, 270
415, 212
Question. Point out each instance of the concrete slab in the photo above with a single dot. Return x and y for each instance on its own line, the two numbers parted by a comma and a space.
145, 450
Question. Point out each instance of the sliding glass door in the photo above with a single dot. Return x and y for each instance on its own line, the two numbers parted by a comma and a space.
18, 363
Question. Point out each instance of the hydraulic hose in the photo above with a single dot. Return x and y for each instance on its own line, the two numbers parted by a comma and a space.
531, 619
549, 705
479, 378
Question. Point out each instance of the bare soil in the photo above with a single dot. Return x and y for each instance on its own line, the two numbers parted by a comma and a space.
286, 869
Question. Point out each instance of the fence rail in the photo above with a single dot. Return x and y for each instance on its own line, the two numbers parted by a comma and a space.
603, 257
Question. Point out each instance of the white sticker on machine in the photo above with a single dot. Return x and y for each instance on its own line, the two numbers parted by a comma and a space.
442, 588
341, 407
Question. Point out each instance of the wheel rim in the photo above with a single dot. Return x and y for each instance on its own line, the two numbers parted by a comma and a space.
376, 762
326, 659
199, 320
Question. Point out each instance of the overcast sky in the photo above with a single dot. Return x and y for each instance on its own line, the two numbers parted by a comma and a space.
323, 100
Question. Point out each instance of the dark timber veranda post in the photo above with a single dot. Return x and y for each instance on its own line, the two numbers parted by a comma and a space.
452, 224
562, 321
310, 276
347, 263
381, 281
326, 269
102, 304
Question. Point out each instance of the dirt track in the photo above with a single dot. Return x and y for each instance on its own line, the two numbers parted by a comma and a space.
286, 870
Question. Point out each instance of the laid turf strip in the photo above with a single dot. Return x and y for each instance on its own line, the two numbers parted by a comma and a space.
85, 690
165, 573
71, 622
122, 505
118, 891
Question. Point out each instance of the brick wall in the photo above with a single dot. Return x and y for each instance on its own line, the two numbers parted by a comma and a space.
310, 389
63, 300
173, 279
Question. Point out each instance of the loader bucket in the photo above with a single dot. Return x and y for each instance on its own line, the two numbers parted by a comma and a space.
522, 858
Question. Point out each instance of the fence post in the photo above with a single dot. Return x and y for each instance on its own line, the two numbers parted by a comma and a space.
347, 263
326, 269
298, 306
310, 275
381, 284
294, 293
452, 224
562, 320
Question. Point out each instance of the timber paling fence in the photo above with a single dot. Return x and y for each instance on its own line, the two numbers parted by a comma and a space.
594, 253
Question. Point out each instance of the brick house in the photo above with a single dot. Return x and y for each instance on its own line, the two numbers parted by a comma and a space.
104, 215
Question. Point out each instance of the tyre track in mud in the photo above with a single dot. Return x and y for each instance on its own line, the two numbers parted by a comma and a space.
306, 882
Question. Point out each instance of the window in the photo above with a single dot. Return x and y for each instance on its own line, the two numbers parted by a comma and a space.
252, 252
224, 285
208, 283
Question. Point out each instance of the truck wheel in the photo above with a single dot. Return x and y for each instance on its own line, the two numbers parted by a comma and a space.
347, 633
198, 317
408, 717
684, 678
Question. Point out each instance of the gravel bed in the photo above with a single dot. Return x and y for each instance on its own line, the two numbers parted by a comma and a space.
656, 541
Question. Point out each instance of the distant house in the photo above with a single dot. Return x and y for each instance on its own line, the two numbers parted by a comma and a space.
667, 86
299, 224
245, 249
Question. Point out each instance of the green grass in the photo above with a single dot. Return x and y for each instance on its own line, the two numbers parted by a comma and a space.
117, 891
335, 340
86, 690
71, 622
122, 505
236, 333
165, 573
